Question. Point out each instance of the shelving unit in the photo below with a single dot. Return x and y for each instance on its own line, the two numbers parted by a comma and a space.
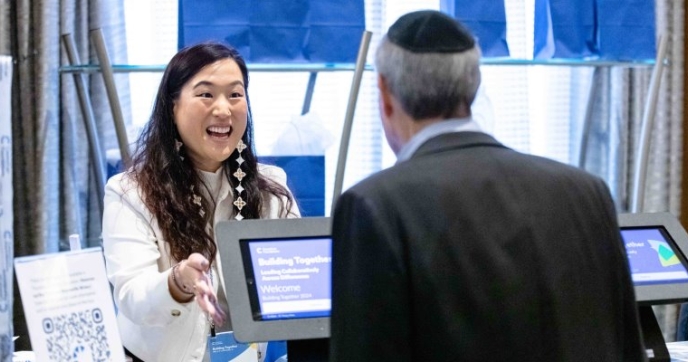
107, 70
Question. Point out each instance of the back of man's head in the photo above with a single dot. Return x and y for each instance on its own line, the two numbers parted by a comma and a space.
430, 63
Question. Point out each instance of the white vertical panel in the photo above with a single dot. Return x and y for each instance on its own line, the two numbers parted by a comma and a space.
151, 32
6, 213
532, 105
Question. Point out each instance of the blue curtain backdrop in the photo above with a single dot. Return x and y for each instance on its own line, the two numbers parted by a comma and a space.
565, 29
277, 31
627, 29
622, 30
486, 19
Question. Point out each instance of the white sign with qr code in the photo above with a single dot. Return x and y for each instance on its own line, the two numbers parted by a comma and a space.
68, 306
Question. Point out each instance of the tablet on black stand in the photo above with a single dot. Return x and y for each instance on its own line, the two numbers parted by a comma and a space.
656, 245
279, 275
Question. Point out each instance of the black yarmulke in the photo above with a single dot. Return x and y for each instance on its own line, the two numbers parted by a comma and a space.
430, 31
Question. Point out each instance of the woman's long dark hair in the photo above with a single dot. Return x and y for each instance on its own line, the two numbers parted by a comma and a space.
167, 180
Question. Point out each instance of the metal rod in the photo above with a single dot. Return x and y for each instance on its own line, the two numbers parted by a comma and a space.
309, 93
349, 118
111, 89
336, 67
254, 67
587, 122
640, 169
97, 158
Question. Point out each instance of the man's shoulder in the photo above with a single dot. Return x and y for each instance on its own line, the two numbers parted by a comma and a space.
524, 167
543, 165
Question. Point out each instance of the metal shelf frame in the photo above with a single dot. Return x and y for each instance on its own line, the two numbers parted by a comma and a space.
107, 70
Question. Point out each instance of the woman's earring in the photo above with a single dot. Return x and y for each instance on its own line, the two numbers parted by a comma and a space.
239, 175
197, 200
178, 146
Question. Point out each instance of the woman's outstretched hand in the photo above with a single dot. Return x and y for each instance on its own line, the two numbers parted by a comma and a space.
197, 269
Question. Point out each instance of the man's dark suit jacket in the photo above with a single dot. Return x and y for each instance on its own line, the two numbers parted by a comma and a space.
470, 251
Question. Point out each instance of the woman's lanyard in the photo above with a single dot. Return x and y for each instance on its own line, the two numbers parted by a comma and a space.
212, 323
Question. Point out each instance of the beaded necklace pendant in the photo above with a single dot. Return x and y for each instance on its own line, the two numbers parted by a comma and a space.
239, 203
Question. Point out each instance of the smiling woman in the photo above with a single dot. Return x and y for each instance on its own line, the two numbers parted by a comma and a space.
211, 113
194, 166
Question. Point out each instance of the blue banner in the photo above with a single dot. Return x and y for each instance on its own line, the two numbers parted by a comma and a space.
277, 31
306, 180
487, 21
621, 30
627, 29
565, 29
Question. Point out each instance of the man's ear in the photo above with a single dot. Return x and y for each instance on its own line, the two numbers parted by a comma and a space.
385, 96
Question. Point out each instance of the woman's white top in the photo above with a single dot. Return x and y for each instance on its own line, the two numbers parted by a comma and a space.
152, 325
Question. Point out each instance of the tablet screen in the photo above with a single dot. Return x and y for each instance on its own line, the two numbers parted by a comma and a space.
652, 256
288, 278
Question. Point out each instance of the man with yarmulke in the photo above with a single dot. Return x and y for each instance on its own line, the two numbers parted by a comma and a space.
467, 250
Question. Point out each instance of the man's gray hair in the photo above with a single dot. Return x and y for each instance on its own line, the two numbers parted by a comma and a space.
429, 85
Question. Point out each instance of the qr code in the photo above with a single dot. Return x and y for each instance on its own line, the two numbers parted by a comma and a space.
78, 336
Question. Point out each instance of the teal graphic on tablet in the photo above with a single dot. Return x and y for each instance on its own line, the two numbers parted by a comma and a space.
667, 257
653, 257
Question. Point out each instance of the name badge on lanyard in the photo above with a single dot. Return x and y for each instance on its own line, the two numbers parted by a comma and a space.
224, 348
